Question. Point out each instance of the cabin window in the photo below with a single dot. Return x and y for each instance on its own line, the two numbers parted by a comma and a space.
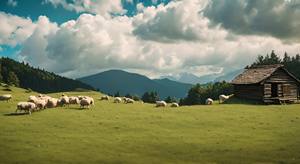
274, 90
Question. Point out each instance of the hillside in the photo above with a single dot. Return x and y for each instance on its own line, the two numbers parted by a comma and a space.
25, 76
142, 133
113, 81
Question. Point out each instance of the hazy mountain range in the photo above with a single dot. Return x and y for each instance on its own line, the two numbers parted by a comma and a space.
113, 81
194, 79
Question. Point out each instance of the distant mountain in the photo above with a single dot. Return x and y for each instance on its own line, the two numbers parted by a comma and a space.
25, 76
193, 79
113, 81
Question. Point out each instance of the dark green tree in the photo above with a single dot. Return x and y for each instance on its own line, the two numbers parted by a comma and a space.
170, 99
150, 97
117, 94
13, 79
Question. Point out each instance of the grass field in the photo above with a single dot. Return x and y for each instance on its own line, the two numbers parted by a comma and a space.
141, 133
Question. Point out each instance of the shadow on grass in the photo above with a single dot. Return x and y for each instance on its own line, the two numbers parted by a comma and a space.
235, 100
76, 108
15, 114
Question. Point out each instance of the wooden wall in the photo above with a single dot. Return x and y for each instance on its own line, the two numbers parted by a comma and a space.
253, 92
287, 86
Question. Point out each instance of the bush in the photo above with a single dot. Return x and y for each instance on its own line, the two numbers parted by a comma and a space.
170, 99
150, 97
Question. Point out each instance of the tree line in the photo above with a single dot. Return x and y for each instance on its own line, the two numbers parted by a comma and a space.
291, 63
25, 76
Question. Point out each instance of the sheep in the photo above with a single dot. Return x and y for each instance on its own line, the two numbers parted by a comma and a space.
129, 100
209, 101
161, 104
32, 99
175, 105
64, 100
26, 106
104, 97
117, 100
5, 97
80, 97
73, 100
44, 97
87, 101
52, 103
223, 98
41, 104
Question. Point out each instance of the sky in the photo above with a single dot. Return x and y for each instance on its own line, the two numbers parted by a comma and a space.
75, 38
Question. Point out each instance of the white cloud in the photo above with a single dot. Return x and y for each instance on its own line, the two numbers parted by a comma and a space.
93, 43
14, 29
12, 3
103, 7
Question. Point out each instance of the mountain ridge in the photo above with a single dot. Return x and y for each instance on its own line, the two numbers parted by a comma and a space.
115, 80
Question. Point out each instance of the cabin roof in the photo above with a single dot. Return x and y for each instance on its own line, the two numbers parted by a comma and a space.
258, 74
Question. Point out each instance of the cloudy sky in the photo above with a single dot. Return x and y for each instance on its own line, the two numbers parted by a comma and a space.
75, 38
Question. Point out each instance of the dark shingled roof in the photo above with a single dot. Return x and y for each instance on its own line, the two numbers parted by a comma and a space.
256, 74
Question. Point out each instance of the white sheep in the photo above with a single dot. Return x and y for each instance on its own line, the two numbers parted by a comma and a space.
223, 98
175, 105
161, 104
44, 97
64, 100
117, 100
209, 101
26, 106
41, 103
87, 101
105, 97
5, 97
74, 100
32, 99
129, 100
52, 103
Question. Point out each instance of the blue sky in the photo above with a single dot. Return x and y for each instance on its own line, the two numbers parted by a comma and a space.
34, 8
151, 37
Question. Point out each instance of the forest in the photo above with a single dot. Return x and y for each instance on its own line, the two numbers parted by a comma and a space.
25, 76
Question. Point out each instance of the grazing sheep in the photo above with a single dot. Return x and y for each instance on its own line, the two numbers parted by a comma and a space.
117, 100
104, 97
64, 100
87, 101
73, 100
26, 106
32, 99
41, 104
80, 97
129, 100
209, 101
5, 97
175, 105
52, 103
161, 104
223, 98
44, 97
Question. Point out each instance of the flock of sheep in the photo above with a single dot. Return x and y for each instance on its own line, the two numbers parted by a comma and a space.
129, 100
36, 103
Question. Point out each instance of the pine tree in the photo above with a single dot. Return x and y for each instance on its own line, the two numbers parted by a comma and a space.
1, 78
13, 79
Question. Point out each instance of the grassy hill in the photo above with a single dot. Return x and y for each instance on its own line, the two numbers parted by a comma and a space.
114, 81
141, 133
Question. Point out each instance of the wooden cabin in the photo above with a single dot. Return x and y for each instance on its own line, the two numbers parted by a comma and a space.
267, 83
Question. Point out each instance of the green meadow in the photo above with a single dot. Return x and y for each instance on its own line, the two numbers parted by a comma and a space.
142, 133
